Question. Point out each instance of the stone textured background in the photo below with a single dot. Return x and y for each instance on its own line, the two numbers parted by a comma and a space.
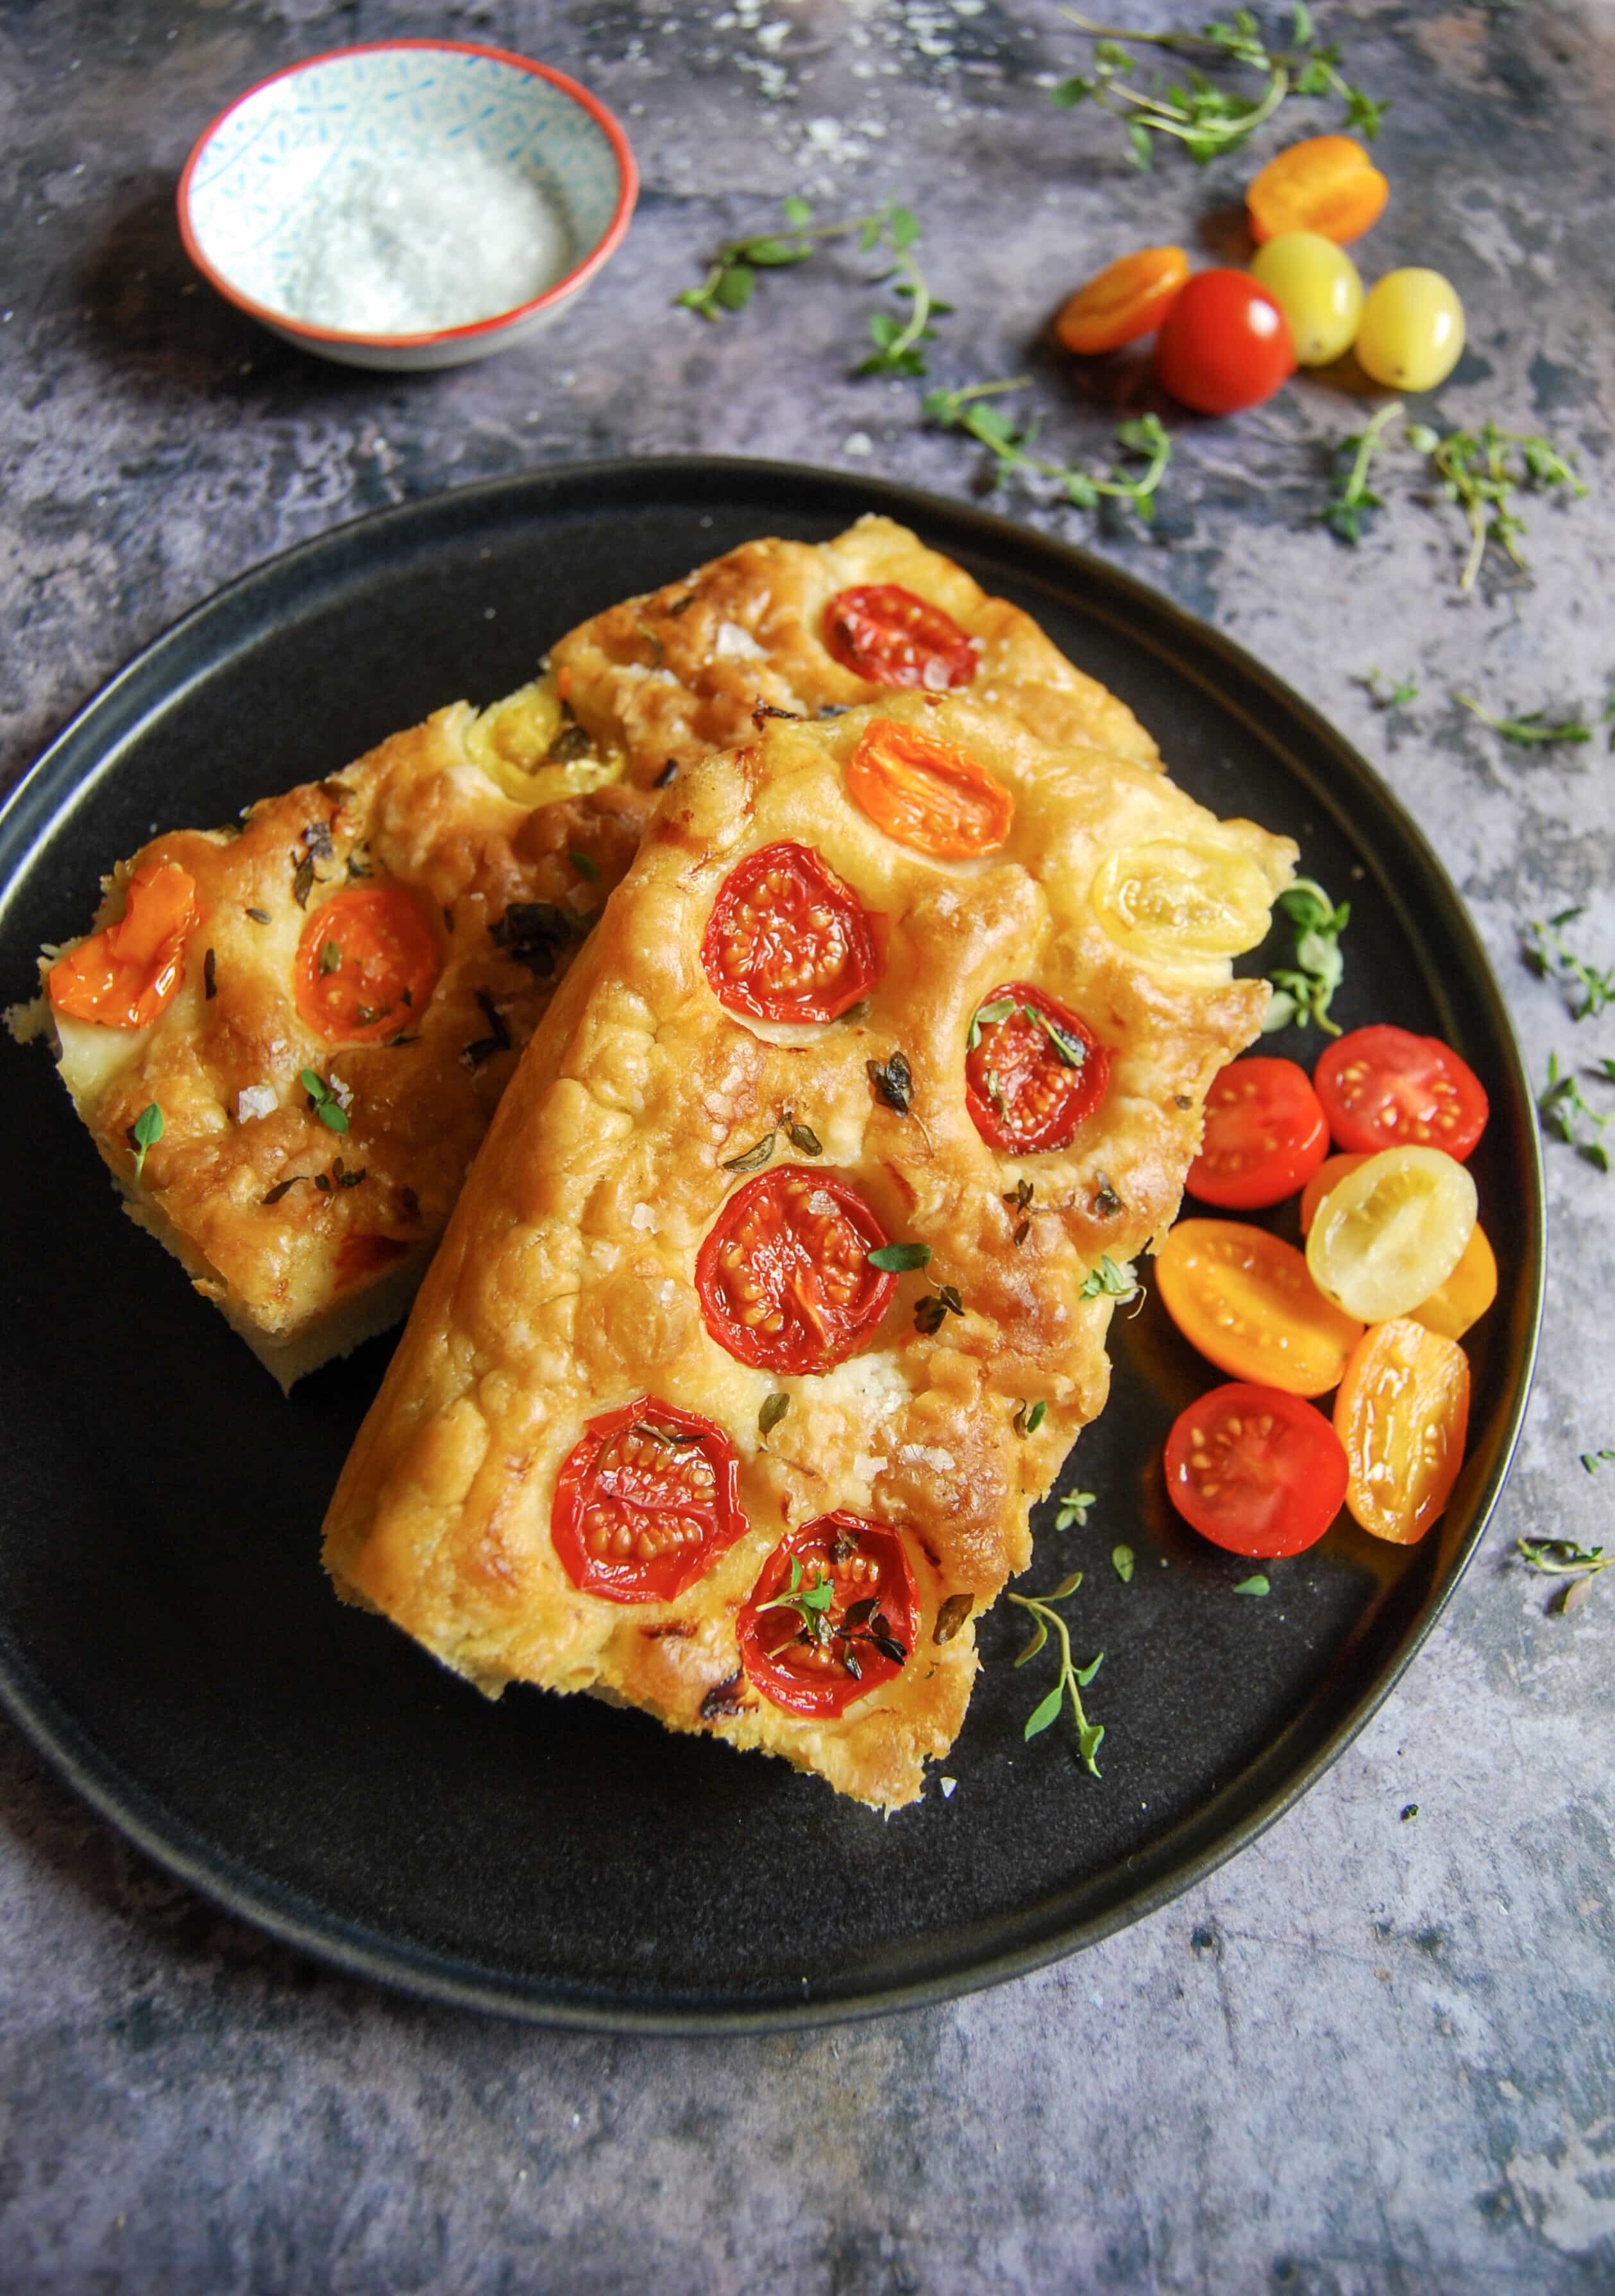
1368, 2055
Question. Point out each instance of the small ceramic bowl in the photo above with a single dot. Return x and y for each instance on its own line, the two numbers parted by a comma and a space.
358, 203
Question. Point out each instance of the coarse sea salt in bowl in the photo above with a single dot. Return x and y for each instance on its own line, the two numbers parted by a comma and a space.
407, 203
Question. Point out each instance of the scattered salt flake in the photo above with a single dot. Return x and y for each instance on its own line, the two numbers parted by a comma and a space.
641, 1217
857, 442
771, 35
735, 644
341, 1090
866, 1467
947, 1785
256, 1100
928, 1455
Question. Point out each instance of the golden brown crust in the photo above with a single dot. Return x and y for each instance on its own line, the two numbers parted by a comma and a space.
672, 676
414, 811
565, 1284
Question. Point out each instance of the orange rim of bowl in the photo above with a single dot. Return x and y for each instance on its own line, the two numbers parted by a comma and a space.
627, 192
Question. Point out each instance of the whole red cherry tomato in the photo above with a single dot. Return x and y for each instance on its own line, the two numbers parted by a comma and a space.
1224, 344
646, 1500
1384, 1087
1265, 1135
1256, 1471
815, 1655
787, 940
1032, 1070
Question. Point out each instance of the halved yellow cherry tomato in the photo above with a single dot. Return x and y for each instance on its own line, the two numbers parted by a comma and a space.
1246, 1301
128, 972
1181, 900
1389, 1234
1467, 1294
1334, 1169
1315, 285
928, 793
1411, 335
1402, 1412
1328, 184
1127, 299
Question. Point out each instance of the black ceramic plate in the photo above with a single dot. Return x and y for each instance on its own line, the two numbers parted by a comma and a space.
166, 1633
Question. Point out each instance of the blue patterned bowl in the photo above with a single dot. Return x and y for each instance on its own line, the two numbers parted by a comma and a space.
407, 203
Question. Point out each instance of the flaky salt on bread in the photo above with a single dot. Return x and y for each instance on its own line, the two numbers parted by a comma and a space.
654, 1344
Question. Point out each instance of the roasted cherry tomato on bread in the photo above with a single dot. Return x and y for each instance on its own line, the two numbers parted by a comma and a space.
1265, 1135
1129, 298
1256, 1470
1390, 1233
366, 963
783, 1275
787, 940
1385, 1087
1247, 1302
928, 793
1179, 900
1402, 1412
1327, 183
886, 634
646, 1500
1224, 344
832, 1616
126, 973
1033, 1071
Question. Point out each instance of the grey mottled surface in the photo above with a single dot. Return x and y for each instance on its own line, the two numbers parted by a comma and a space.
1367, 2055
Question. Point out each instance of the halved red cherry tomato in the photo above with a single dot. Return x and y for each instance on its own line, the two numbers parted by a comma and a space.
928, 793
1246, 1300
1033, 1071
366, 963
1224, 344
881, 632
1127, 299
1403, 1413
646, 1500
783, 1275
1256, 1470
1384, 1087
125, 974
1265, 1135
815, 1657
787, 941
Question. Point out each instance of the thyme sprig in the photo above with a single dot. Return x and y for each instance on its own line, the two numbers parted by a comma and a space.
1477, 472
1107, 1282
893, 229
1353, 502
1533, 726
1566, 1558
1072, 1679
966, 409
1564, 1109
1194, 111
1072, 1512
324, 1100
812, 1602
1303, 992
1385, 693
1546, 954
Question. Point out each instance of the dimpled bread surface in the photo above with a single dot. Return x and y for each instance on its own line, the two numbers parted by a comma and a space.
669, 677
566, 1284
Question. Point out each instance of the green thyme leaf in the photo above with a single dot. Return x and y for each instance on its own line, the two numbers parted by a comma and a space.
752, 1159
1029, 1417
1073, 1509
803, 1137
1305, 991
145, 1132
1547, 955
1046, 1711
987, 1016
1384, 692
331, 956
775, 1408
1121, 1563
585, 865
1106, 1281
1071, 1681
1257, 1584
899, 1259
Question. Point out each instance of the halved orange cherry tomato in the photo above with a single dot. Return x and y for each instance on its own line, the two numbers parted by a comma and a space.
125, 974
1384, 1087
1402, 1412
1256, 1470
783, 1275
1246, 1301
1335, 1168
881, 632
928, 793
1127, 299
646, 1500
1033, 1071
1328, 184
366, 965
787, 941
1265, 1135
817, 1658
1467, 1294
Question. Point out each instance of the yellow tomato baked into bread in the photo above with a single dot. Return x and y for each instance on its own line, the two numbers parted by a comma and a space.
457, 866
771, 1304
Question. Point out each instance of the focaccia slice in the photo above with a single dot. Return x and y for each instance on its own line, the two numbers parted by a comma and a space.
656, 1397
315, 1116
663, 680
